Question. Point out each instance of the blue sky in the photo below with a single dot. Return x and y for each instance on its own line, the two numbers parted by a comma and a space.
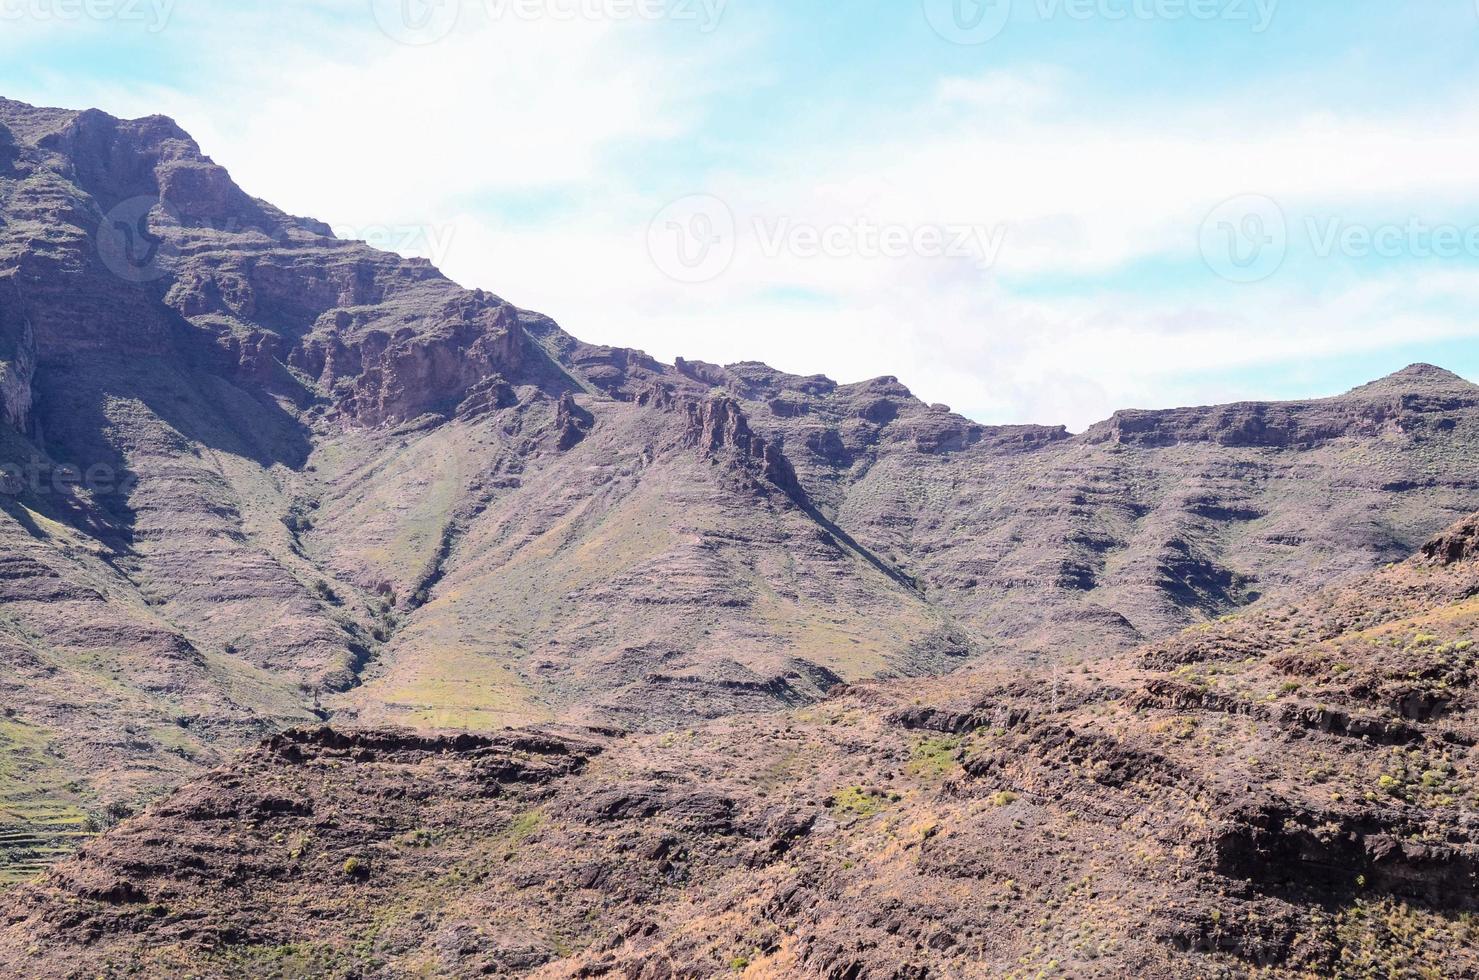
1106, 203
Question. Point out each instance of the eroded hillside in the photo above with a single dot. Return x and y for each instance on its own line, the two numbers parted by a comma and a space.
1288, 793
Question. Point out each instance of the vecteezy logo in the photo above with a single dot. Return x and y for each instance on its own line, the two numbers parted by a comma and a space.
127, 245
416, 22
969, 21
1245, 239
692, 240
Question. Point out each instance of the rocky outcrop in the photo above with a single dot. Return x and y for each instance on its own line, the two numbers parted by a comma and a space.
1458, 543
1345, 853
406, 375
719, 427
572, 423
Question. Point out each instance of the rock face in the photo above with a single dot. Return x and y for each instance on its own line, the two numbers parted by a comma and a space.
1286, 793
258, 477
17, 364
1458, 543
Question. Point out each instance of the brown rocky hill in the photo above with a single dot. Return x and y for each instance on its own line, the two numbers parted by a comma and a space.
256, 476
1285, 793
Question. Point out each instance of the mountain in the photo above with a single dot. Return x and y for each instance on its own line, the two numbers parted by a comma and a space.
257, 477
1284, 793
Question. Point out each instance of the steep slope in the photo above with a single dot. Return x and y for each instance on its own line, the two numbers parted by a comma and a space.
256, 476
648, 575
1288, 793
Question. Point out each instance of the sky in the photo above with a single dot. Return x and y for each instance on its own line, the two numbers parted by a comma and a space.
1029, 210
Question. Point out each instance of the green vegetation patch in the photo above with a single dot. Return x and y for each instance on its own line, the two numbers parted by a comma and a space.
935, 757
524, 826
40, 822
855, 801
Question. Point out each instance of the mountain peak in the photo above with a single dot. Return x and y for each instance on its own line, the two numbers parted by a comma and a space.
1417, 377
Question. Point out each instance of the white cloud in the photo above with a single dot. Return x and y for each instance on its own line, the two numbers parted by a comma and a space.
492, 110
1082, 199
343, 123
1025, 90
